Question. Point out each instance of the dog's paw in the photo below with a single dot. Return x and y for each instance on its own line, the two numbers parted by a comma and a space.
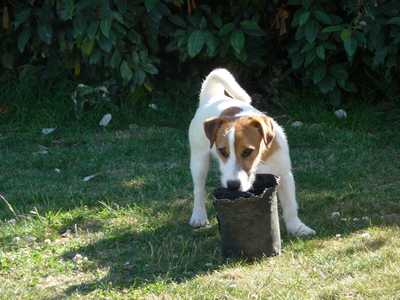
198, 219
298, 228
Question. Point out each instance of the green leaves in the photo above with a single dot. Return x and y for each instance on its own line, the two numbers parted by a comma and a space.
327, 84
126, 72
300, 17
251, 28
311, 30
323, 17
226, 29
139, 77
150, 4
310, 57
349, 42
321, 52
297, 61
196, 42
79, 27
105, 44
124, 38
92, 29
150, 69
87, 46
319, 73
313, 44
212, 44
350, 45
105, 27
303, 17
309, 53
23, 39
7, 60
345, 34
21, 17
45, 32
394, 21
347, 86
67, 9
237, 41
334, 28
339, 71
177, 20
115, 59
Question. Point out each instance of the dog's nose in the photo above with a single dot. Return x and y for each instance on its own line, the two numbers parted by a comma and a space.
233, 185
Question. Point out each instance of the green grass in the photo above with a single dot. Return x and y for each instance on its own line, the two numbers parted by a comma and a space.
129, 223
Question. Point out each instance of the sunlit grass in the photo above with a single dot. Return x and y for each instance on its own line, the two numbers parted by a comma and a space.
129, 223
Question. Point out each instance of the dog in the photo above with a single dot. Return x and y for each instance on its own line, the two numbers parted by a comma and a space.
244, 141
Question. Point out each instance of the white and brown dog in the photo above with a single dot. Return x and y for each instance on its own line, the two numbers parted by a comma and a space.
245, 142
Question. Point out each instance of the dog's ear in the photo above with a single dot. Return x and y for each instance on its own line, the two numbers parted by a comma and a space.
211, 127
265, 127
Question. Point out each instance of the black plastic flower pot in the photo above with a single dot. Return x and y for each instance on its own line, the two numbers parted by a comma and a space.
249, 221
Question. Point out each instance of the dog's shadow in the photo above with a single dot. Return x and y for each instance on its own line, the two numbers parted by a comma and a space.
132, 259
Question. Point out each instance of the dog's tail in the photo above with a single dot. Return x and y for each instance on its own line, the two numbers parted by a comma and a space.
217, 82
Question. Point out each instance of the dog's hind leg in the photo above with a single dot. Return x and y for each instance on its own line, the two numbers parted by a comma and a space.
199, 164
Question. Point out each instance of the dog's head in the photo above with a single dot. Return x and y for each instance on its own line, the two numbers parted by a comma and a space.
240, 142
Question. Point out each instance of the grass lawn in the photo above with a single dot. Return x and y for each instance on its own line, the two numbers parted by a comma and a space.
124, 233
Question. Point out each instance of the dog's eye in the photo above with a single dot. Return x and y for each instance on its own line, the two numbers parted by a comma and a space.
223, 152
247, 152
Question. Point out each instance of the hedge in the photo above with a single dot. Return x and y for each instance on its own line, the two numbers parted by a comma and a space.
335, 47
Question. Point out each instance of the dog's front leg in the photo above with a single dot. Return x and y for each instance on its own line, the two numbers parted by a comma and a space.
199, 164
287, 198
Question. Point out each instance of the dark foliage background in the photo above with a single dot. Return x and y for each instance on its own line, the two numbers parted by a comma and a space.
137, 48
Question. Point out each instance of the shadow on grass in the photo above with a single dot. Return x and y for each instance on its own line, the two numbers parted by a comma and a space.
170, 253
365, 246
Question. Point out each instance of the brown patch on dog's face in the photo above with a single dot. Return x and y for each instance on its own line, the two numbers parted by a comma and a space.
230, 112
222, 141
253, 136
217, 130
265, 128
211, 126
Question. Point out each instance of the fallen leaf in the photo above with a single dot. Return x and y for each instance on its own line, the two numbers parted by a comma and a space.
12, 221
341, 114
297, 124
77, 258
365, 235
43, 152
90, 177
335, 215
105, 120
31, 239
48, 130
